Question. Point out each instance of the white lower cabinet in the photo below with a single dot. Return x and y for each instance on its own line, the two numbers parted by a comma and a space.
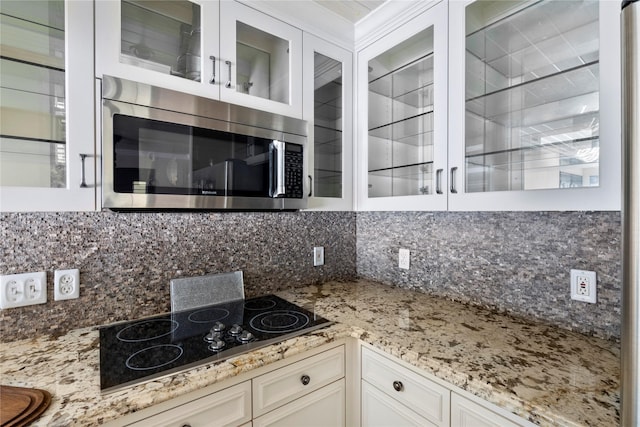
408, 394
305, 390
228, 407
289, 383
322, 408
379, 410
465, 413
394, 394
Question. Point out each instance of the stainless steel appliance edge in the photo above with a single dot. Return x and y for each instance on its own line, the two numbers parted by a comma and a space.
630, 360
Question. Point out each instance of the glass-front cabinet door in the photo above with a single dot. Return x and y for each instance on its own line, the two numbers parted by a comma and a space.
261, 62
534, 119
328, 109
173, 44
47, 154
402, 82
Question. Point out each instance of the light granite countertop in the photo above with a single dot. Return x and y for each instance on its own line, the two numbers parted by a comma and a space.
547, 375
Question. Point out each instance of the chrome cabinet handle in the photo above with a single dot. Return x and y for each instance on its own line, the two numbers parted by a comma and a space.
439, 181
83, 183
213, 74
305, 379
398, 386
310, 185
453, 179
228, 85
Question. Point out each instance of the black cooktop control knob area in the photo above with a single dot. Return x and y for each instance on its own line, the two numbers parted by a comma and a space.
218, 327
212, 336
235, 330
217, 345
245, 337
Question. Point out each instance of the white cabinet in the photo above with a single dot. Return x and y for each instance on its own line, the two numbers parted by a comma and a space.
229, 407
394, 393
402, 116
308, 390
325, 407
531, 120
298, 379
465, 413
534, 105
328, 107
46, 107
410, 398
164, 44
221, 50
261, 60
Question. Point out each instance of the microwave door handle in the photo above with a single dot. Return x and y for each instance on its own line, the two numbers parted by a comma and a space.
279, 189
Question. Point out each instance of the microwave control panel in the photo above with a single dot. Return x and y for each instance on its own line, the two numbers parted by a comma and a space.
293, 171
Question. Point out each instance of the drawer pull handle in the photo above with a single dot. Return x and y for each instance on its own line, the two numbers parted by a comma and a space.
398, 386
305, 379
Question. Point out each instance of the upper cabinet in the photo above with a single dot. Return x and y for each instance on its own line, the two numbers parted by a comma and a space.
222, 50
402, 116
534, 105
328, 106
531, 119
47, 150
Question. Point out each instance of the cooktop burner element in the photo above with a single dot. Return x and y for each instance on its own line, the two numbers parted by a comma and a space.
143, 350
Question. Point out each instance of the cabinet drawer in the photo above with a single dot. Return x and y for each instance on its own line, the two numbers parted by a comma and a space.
322, 408
378, 410
228, 407
421, 395
286, 384
465, 413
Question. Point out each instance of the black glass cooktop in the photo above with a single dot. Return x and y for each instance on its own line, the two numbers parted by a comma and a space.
142, 350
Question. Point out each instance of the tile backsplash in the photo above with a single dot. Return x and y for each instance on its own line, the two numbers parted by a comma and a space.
126, 260
517, 262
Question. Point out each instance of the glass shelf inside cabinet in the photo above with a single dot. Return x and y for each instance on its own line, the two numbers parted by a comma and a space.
400, 161
532, 95
32, 97
162, 36
327, 129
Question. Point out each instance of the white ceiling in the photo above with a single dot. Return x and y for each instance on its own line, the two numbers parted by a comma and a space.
352, 10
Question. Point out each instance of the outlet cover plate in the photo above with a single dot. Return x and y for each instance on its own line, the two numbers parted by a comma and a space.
66, 284
19, 290
318, 256
583, 286
404, 257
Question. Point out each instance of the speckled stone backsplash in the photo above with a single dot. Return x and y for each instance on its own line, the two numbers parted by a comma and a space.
126, 260
517, 262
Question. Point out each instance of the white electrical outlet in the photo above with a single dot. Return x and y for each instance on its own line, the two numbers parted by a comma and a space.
19, 290
404, 256
583, 286
66, 284
318, 256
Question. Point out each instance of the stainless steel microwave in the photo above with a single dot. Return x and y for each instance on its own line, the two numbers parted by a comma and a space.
163, 149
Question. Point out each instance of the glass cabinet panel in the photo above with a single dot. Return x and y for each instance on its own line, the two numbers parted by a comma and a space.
400, 122
163, 36
532, 95
327, 128
32, 97
262, 64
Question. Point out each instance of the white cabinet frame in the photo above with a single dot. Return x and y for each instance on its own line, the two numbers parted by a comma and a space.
79, 93
607, 195
313, 44
436, 16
